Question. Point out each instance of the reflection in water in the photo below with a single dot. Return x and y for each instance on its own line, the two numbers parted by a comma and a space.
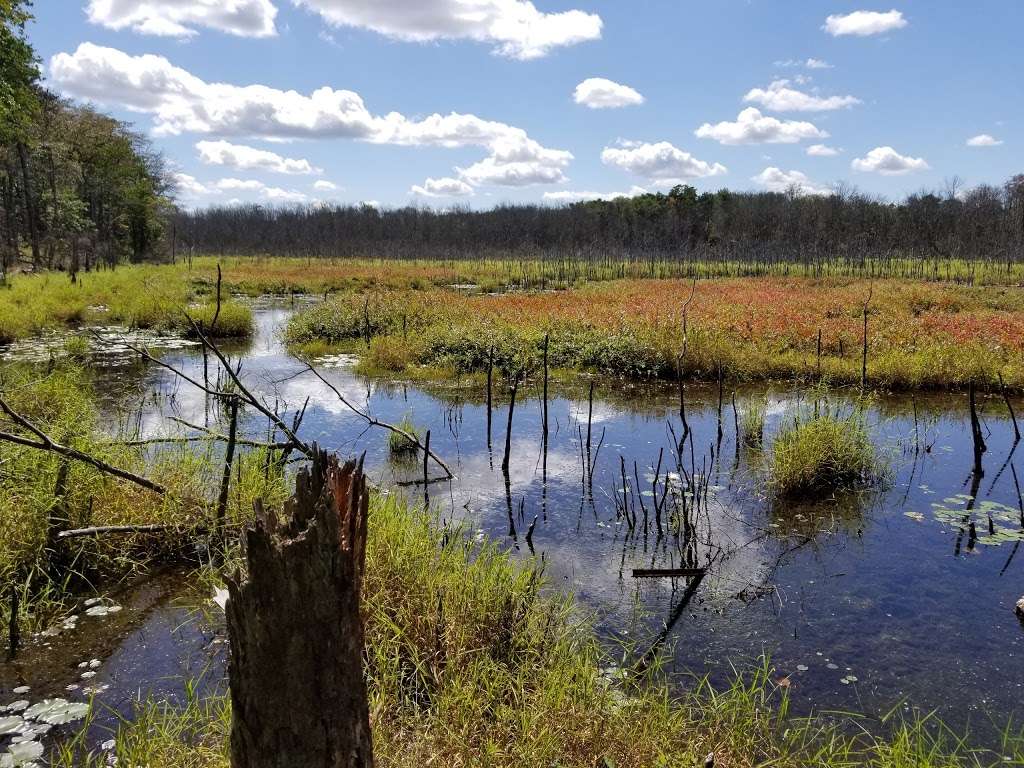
864, 600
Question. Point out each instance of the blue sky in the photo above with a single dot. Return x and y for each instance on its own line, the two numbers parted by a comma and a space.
473, 102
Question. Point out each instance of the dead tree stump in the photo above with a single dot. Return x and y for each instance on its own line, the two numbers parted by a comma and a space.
297, 689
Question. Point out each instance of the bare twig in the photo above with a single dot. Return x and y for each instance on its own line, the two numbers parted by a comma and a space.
375, 422
45, 443
105, 529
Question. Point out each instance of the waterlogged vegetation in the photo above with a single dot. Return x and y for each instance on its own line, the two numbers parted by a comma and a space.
433, 318
462, 618
469, 662
919, 335
818, 454
43, 494
160, 299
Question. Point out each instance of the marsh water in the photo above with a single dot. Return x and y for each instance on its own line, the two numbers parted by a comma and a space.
897, 597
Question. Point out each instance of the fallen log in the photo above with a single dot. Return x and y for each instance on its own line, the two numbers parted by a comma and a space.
296, 674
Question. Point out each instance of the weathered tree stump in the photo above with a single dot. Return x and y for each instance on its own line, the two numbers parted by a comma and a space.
296, 672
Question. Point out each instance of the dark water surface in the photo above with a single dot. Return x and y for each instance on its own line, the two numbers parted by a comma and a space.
864, 602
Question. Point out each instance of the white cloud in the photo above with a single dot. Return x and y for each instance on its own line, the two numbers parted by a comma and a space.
325, 186
661, 163
822, 150
518, 161
599, 93
516, 27
446, 187
179, 18
780, 97
572, 196
809, 63
984, 140
751, 127
777, 180
191, 186
888, 162
249, 158
250, 185
864, 23
274, 194
181, 102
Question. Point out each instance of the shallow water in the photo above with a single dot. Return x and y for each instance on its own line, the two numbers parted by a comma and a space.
863, 602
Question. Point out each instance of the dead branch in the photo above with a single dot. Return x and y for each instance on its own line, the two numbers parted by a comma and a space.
45, 443
247, 397
375, 422
99, 530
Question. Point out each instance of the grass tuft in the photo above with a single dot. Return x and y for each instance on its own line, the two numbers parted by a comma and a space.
825, 453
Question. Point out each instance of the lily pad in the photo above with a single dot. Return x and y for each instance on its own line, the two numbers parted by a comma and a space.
57, 711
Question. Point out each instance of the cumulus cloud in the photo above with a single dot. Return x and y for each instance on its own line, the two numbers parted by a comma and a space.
273, 194
192, 186
179, 18
181, 102
325, 186
249, 158
777, 180
864, 23
888, 162
446, 187
573, 196
983, 140
751, 127
822, 150
515, 27
599, 93
661, 163
780, 97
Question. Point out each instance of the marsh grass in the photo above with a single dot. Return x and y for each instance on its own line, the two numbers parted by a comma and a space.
138, 296
472, 661
752, 422
824, 452
399, 445
922, 336
61, 401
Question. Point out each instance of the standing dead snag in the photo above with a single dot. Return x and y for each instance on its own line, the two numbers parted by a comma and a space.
297, 689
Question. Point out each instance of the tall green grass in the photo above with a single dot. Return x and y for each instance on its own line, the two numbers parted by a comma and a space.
471, 661
142, 296
823, 453
62, 402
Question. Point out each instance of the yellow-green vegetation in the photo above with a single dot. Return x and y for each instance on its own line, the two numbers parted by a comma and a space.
920, 335
752, 422
500, 271
400, 444
623, 319
160, 298
41, 492
823, 453
471, 662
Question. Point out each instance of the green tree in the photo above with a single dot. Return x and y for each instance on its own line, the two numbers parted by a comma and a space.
19, 73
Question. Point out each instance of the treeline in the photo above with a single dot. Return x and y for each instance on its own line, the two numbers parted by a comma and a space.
78, 189
985, 223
